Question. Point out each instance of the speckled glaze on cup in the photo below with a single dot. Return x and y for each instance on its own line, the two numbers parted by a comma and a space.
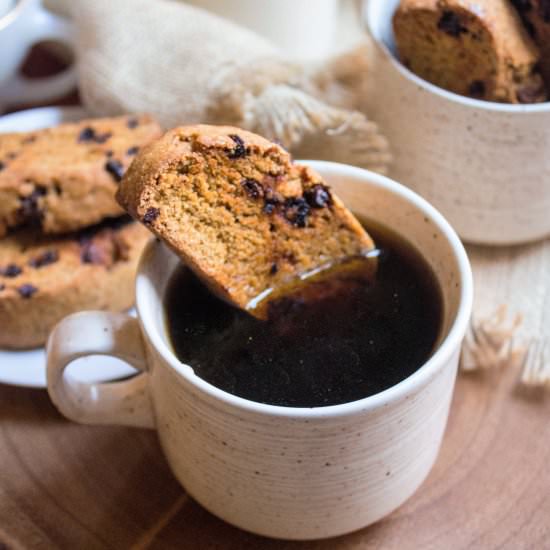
292, 473
484, 165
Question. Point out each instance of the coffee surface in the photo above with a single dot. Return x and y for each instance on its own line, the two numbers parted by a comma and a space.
358, 341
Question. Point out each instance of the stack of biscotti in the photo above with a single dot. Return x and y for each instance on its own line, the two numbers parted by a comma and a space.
65, 244
478, 48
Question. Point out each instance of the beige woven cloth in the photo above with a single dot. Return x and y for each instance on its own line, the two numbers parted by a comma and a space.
185, 65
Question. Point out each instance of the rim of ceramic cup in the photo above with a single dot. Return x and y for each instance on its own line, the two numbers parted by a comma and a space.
370, 17
12, 13
440, 356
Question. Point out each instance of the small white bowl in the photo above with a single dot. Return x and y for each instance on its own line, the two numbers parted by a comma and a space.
484, 165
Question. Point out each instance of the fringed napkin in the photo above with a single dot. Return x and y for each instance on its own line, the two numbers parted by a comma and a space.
185, 65
517, 334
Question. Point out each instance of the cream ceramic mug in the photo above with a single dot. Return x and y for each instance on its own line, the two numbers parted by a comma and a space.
484, 165
23, 23
292, 473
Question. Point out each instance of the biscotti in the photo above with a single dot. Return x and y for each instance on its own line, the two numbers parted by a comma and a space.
235, 208
478, 49
536, 18
45, 278
64, 178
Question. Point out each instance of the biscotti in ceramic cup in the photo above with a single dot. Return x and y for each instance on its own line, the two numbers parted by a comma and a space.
484, 164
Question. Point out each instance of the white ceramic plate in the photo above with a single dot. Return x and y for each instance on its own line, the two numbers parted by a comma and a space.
28, 368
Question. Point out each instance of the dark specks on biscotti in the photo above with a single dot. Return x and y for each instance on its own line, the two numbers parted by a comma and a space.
115, 168
253, 188
29, 210
318, 196
132, 123
26, 291
2, 165
151, 215
46, 258
296, 210
449, 23
87, 134
239, 150
132, 151
11, 271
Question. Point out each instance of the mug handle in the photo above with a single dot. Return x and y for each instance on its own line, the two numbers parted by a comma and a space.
126, 402
42, 25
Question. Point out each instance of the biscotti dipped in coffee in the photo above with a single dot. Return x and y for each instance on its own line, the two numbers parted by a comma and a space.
44, 278
536, 18
474, 48
64, 178
235, 208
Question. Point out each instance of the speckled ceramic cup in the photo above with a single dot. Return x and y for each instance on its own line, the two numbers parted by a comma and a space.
292, 473
484, 165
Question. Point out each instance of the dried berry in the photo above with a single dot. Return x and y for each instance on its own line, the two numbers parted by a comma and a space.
269, 206
449, 22
2, 165
151, 215
239, 150
115, 168
318, 196
133, 150
46, 258
26, 291
11, 271
253, 188
109, 153
274, 268
87, 134
296, 210
477, 88
29, 209
132, 123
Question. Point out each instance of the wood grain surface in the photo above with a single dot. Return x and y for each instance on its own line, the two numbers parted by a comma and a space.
63, 485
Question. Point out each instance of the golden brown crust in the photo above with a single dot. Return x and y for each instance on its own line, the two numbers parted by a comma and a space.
233, 206
43, 279
64, 178
477, 48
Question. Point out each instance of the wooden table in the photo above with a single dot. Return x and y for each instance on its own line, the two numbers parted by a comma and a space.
63, 485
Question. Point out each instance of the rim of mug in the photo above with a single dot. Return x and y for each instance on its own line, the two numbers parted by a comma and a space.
442, 354
12, 13
509, 108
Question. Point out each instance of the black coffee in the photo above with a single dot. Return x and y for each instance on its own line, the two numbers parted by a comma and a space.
347, 346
